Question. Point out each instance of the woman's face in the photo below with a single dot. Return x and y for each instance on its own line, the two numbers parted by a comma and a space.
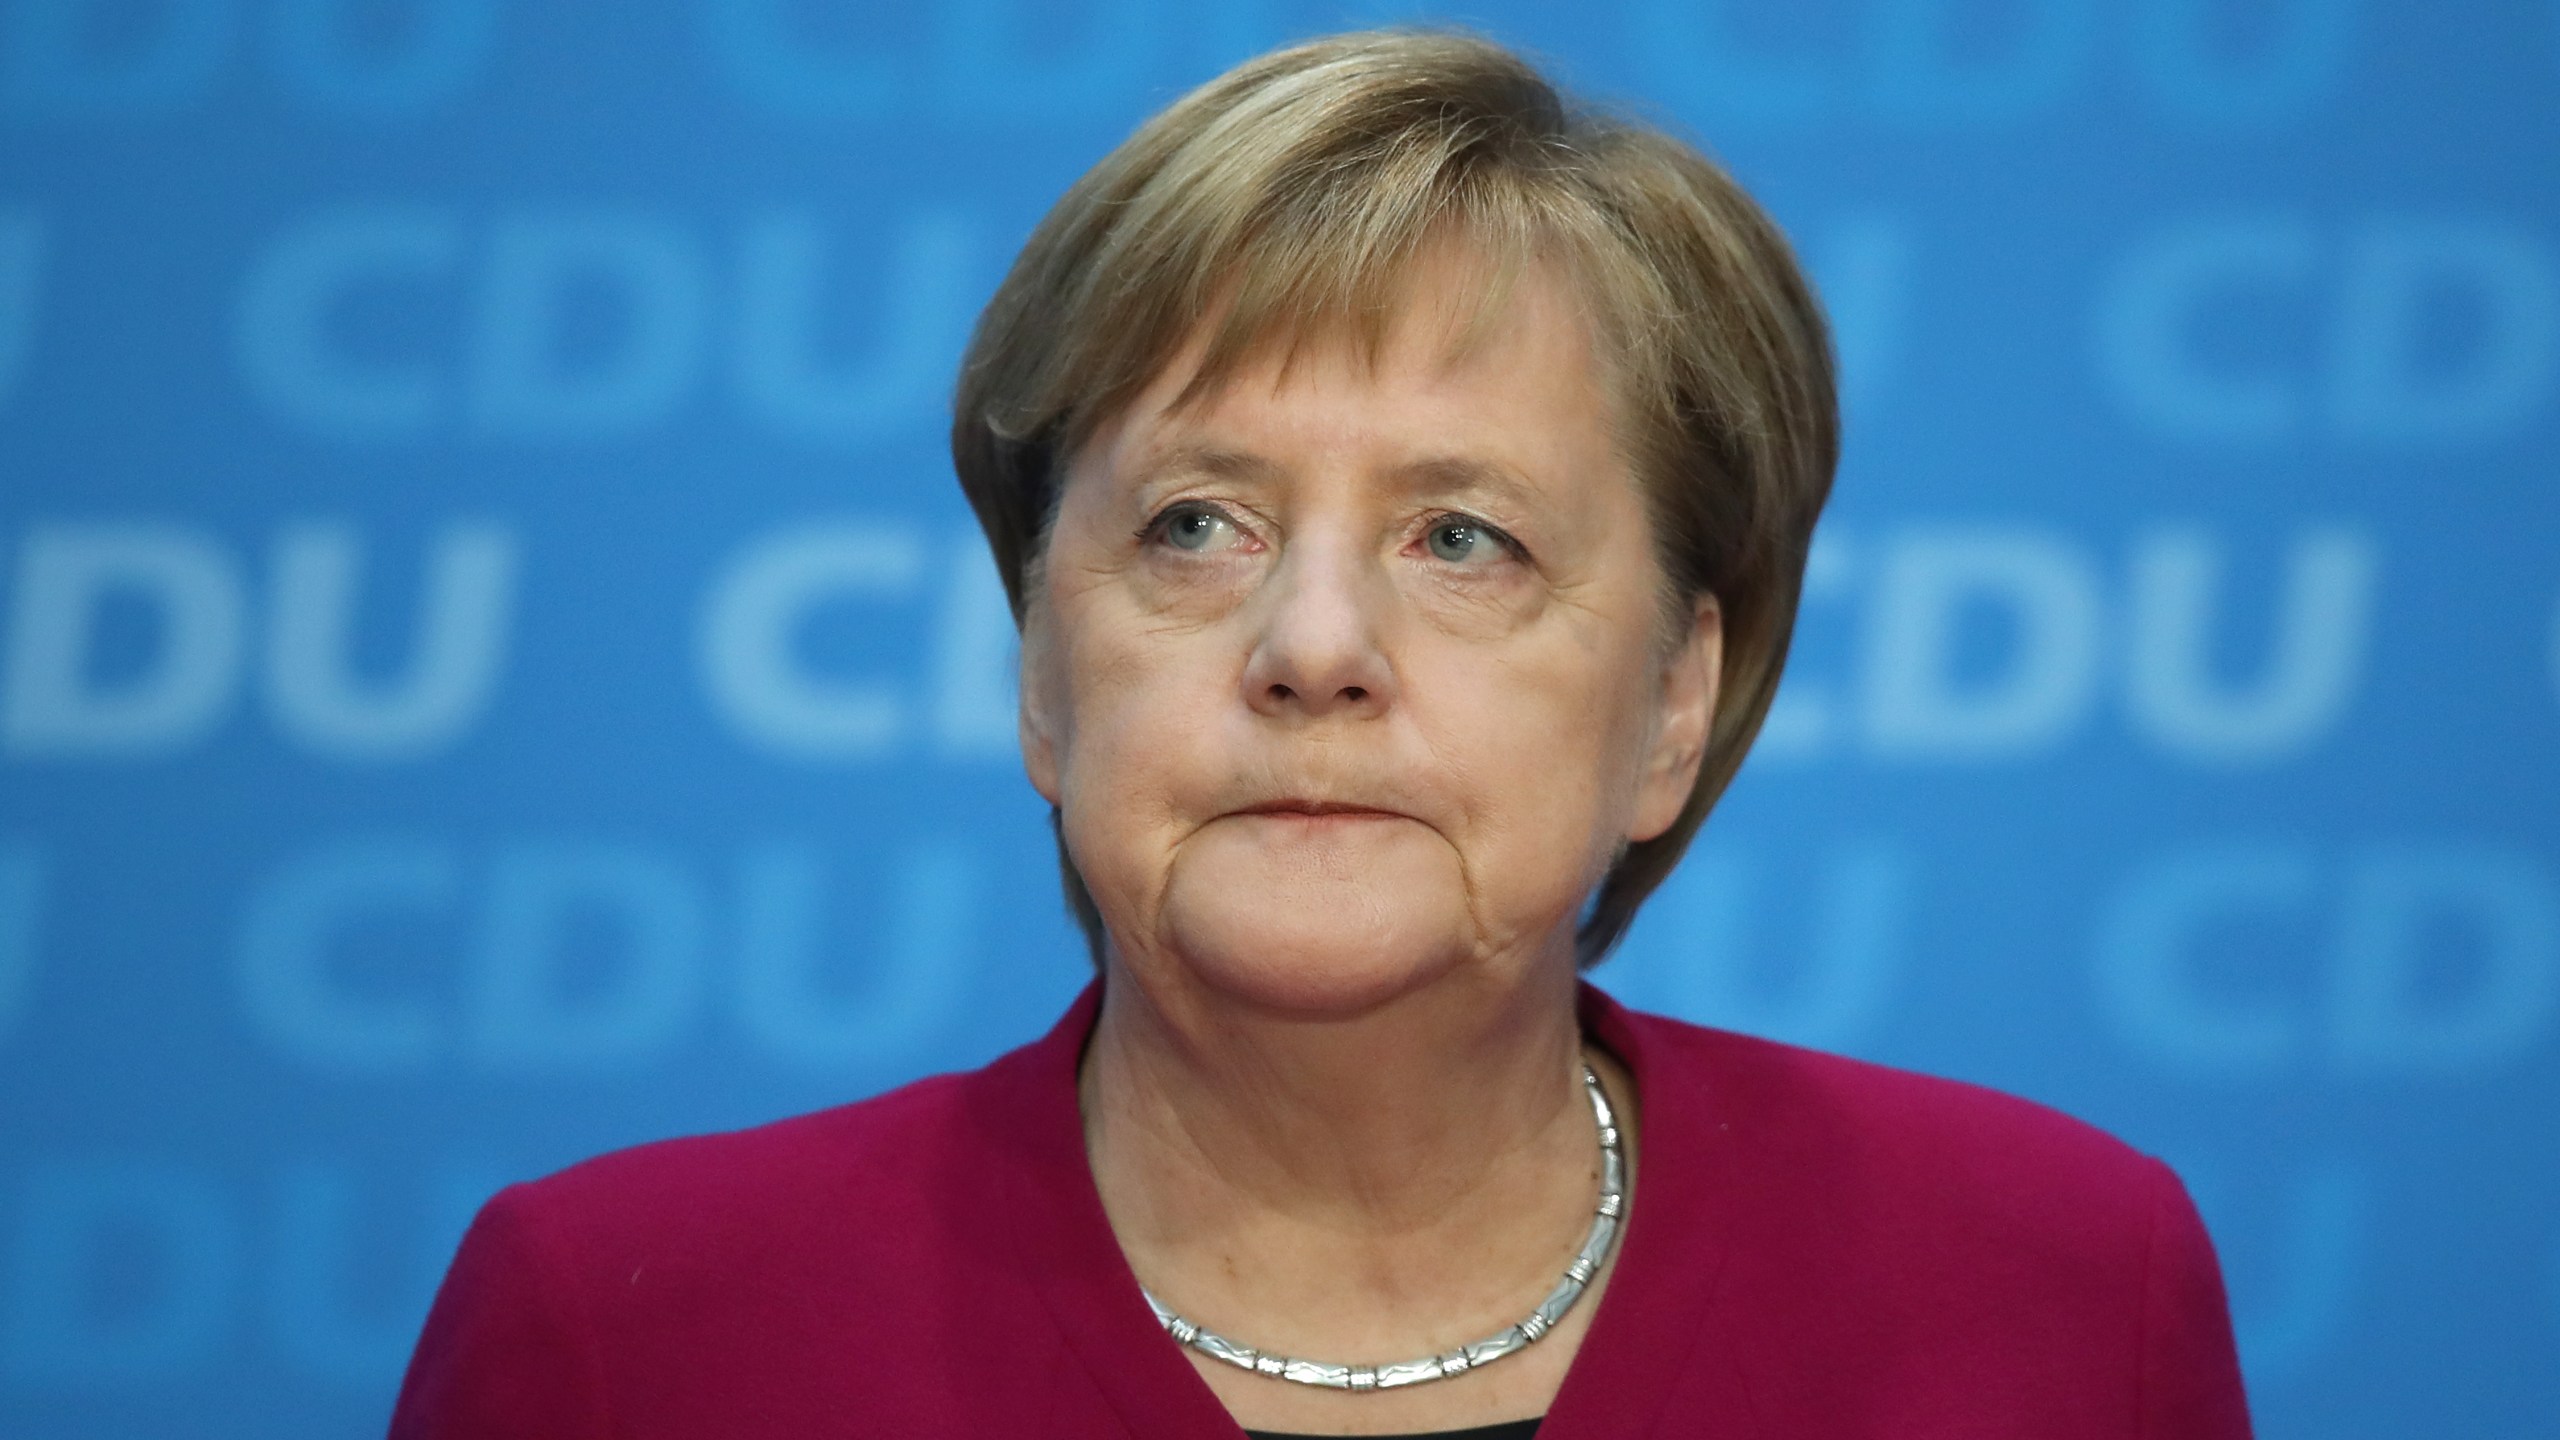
1350, 674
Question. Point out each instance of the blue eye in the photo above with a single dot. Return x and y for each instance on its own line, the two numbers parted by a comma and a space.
1198, 529
1461, 542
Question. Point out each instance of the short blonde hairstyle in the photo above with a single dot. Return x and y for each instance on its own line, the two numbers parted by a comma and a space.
1294, 193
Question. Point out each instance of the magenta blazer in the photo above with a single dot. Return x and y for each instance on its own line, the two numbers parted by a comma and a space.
1816, 1248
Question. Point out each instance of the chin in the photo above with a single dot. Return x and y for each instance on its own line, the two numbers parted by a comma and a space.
1311, 970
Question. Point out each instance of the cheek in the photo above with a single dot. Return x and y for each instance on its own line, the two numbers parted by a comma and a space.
1140, 708
1546, 747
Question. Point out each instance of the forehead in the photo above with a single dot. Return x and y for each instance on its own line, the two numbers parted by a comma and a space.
1481, 374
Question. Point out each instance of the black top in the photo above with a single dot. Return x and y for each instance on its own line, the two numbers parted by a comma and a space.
1504, 1431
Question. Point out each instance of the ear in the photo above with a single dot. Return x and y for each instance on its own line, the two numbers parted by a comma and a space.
1035, 720
1685, 715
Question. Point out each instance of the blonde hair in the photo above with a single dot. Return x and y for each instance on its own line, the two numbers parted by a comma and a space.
1294, 193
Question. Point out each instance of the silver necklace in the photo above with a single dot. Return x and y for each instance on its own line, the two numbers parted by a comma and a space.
1607, 1216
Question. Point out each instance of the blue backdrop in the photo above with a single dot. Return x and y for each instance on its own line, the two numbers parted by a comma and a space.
493, 665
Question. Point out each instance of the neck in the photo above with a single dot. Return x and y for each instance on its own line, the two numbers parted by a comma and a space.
1422, 1164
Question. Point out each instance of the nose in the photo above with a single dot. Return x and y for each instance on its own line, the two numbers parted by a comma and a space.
1316, 651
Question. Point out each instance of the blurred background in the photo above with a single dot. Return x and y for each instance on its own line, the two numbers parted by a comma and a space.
494, 667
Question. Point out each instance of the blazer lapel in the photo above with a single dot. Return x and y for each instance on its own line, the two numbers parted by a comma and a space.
1661, 1357
1049, 1212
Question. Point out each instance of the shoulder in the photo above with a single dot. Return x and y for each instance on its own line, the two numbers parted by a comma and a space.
766, 1161
901, 1197
728, 1274
1914, 1173
1831, 1110
1896, 1234
791, 1191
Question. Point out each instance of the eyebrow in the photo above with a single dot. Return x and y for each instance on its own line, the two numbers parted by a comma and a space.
1463, 475
1445, 474
1211, 461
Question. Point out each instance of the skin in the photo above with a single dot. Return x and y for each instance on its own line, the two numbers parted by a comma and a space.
1349, 678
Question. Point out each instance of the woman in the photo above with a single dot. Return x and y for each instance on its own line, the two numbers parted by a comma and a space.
1403, 485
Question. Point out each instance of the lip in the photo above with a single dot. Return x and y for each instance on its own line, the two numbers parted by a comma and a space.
1319, 810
